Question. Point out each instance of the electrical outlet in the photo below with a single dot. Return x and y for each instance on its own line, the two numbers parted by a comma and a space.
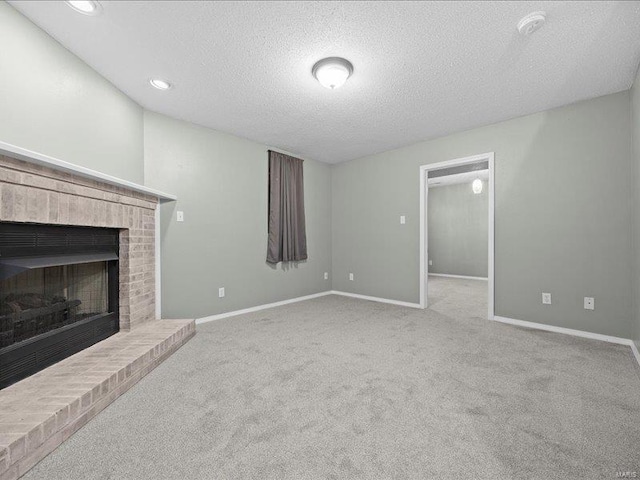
326, 275
403, 219
546, 298
221, 292
351, 277
180, 216
430, 262
589, 303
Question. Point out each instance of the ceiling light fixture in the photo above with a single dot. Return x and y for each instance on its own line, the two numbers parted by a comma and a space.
476, 186
532, 22
332, 72
160, 84
86, 7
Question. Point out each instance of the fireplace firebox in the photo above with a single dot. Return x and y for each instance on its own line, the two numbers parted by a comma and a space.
58, 294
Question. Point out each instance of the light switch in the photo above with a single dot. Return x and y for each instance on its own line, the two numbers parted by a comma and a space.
180, 216
403, 219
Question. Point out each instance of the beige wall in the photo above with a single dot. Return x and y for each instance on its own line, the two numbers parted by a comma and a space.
51, 102
221, 184
563, 216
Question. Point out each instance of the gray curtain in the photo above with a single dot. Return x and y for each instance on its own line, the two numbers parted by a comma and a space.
287, 234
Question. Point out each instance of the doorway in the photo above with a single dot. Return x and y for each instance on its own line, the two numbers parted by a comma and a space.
456, 268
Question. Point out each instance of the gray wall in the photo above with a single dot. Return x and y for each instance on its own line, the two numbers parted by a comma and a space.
563, 215
564, 196
53, 103
458, 230
221, 184
635, 112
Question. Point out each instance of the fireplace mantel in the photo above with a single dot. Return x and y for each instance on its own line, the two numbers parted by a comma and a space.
36, 192
60, 165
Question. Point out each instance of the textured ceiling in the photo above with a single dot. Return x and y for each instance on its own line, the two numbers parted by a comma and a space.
422, 69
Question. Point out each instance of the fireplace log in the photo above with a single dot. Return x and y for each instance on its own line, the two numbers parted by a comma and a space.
15, 327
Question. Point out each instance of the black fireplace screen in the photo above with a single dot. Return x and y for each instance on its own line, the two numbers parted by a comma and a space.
58, 294
44, 299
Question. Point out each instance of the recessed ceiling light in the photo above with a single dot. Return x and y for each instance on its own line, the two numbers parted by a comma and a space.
332, 72
86, 7
160, 84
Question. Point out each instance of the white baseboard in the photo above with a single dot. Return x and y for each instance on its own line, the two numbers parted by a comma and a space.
570, 331
457, 276
566, 331
511, 321
220, 316
376, 299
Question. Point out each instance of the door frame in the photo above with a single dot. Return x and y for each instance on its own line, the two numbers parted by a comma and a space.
424, 237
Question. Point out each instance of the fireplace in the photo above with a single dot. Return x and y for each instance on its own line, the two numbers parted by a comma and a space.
58, 294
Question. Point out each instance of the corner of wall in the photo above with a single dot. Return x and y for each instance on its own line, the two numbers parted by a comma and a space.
635, 147
331, 270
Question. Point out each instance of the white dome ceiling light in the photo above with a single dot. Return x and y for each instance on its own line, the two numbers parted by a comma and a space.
160, 84
477, 186
531, 23
86, 7
332, 72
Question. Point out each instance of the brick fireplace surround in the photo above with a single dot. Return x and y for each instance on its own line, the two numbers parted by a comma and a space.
40, 412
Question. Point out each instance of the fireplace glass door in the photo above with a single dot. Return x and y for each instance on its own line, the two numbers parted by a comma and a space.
38, 301
59, 289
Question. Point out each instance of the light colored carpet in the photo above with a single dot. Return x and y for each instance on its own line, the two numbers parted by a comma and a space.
339, 388
458, 297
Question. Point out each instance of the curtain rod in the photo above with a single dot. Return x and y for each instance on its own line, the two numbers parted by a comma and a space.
283, 153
